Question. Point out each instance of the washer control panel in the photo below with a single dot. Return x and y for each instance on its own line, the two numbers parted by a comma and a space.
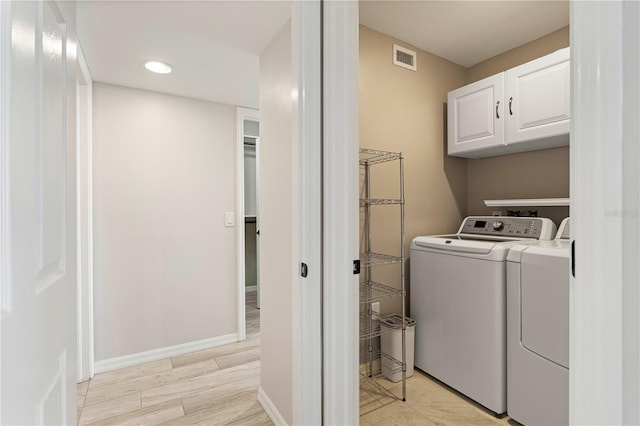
503, 226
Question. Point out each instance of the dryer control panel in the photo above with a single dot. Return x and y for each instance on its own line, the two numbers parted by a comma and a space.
507, 226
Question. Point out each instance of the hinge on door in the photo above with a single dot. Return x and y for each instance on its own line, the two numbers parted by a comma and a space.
356, 267
304, 270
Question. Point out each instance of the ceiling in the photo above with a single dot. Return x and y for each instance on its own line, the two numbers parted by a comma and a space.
465, 32
214, 46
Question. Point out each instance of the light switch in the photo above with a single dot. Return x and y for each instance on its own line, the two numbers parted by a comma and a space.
229, 219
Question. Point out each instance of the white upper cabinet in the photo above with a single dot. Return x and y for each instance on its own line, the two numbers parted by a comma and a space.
539, 98
523, 109
476, 115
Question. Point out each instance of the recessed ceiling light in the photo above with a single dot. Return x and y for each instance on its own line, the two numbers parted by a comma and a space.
158, 67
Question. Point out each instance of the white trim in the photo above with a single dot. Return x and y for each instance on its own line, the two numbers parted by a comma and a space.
528, 202
307, 326
241, 115
5, 98
604, 366
250, 288
340, 207
84, 211
270, 408
162, 353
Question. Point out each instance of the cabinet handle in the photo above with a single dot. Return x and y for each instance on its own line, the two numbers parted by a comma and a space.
497, 105
510, 101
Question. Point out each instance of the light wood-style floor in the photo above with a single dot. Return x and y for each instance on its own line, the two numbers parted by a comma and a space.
216, 386
429, 402
219, 386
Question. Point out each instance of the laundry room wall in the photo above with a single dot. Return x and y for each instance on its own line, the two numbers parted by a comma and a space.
536, 174
278, 222
404, 110
165, 264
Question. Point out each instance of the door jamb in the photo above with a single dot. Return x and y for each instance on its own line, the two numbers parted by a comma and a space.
241, 115
306, 37
604, 379
5, 54
340, 209
84, 205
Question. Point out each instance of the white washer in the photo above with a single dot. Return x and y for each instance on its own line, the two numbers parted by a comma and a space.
458, 299
538, 331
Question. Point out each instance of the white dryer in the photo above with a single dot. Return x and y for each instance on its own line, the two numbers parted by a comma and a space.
538, 331
458, 299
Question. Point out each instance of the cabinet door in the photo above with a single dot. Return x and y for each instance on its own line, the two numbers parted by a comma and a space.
476, 116
538, 99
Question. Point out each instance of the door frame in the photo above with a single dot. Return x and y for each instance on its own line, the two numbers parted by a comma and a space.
604, 300
604, 371
5, 79
341, 211
306, 38
253, 115
84, 205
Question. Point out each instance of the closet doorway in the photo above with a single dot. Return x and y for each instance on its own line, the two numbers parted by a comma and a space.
248, 193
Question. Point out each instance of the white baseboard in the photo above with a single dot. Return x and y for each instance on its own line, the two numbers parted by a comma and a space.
250, 288
270, 409
161, 353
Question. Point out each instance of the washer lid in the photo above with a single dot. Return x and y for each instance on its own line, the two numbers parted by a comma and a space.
479, 247
454, 243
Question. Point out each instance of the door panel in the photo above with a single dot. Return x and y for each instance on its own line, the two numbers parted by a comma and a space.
539, 98
475, 116
50, 65
38, 199
545, 306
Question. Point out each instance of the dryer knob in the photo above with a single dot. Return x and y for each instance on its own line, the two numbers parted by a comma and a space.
498, 226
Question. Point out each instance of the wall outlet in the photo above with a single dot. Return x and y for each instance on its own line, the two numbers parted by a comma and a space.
496, 213
375, 310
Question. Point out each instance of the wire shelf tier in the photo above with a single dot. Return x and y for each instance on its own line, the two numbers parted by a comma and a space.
391, 364
370, 329
372, 259
378, 201
371, 291
373, 156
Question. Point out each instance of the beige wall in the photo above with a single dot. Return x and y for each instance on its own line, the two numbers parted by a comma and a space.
277, 224
164, 263
537, 174
518, 56
403, 110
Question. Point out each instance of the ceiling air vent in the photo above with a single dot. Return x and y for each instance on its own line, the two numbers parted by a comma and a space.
404, 58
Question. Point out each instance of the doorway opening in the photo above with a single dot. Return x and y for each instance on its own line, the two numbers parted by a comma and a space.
248, 195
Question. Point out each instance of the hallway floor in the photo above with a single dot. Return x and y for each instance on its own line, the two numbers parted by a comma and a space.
216, 386
219, 386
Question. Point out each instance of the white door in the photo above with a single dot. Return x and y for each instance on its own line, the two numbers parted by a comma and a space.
251, 139
476, 115
38, 208
538, 98
252, 272
257, 223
